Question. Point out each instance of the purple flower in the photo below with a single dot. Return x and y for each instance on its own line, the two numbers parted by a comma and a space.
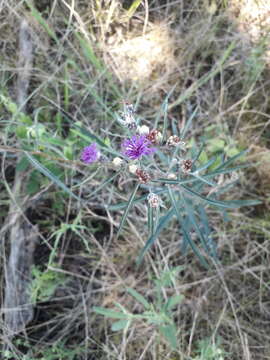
90, 154
137, 146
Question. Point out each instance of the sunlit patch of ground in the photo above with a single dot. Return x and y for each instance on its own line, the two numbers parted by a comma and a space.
137, 58
253, 19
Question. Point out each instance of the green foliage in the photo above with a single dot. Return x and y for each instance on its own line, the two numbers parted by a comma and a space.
57, 351
209, 350
158, 313
255, 63
45, 283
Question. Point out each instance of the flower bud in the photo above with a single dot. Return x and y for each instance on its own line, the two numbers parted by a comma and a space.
143, 176
171, 176
143, 130
154, 136
186, 166
153, 200
133, 168
117, 162
173, 141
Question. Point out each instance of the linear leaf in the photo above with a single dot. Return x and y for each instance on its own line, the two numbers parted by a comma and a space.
169, 333
133, 7
185, 231
150, 221
198, 153
188, 123
173, 301
129, 204
227, 170
139, 297
230, 204
89, 53
36, 14
192, 219
164, 108
119, 325
207, 164
203, 179
232, 159
164, 220
50, 175
110, 179
109, 313
122, 205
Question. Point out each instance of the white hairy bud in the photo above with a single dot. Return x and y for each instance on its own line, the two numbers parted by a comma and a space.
171, 176
133, 168
143, 130
117, 162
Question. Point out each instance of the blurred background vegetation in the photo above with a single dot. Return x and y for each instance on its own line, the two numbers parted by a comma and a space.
88, 56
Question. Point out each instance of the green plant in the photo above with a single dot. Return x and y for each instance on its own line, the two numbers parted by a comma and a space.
159, 313
56, 351
45, 283
181, 180
210, 350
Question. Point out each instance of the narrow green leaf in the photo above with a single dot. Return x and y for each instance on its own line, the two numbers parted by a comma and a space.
110, 179
184, 229
230, 204
164, 108
203, 179
133, 7
22, 164
139, 298
164, 220
36, 14
232, 159
179, 182
188, 123
173, 301
129, 204
123, 205
226, 170
193, 221
52, 177
109, 313
197, 156
150, 220
169, 332
207, 164
89, 53
119, 325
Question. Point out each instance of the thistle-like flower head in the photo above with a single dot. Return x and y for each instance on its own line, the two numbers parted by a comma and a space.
90, 154
137, 146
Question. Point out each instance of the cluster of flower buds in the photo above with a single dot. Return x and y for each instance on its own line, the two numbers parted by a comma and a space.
118, 163
153, 200
174, 140
186, 166
154, 136
143, 176
137, 146
126, 117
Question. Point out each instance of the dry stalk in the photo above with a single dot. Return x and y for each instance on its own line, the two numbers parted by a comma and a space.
22, 237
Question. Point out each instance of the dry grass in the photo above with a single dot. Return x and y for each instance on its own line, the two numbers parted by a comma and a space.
186, 41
